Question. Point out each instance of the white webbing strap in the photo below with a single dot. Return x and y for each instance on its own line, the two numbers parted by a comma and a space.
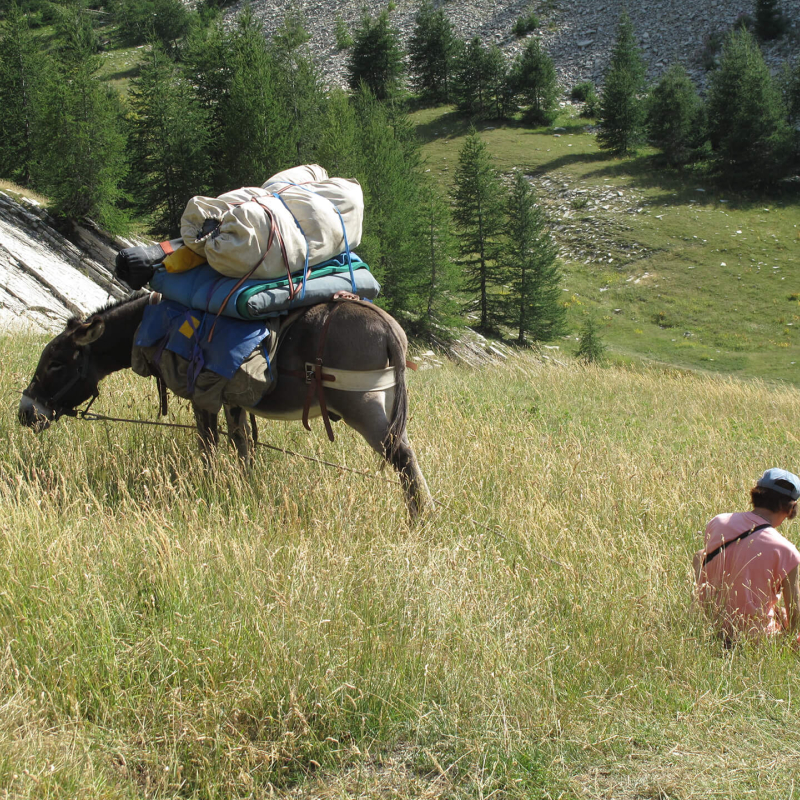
351, 380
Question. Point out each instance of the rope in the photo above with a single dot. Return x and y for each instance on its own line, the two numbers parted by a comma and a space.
394, 482
284, 450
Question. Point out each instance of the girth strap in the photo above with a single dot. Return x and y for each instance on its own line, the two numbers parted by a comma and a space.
315, 378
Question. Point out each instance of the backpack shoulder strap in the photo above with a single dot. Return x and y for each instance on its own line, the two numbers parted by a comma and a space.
715, 553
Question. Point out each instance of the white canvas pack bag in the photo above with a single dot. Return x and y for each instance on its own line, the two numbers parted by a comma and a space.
298, 218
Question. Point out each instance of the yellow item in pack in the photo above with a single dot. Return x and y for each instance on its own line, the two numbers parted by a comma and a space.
182, 260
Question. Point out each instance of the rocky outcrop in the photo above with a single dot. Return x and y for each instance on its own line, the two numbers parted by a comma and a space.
578, 34
44, 277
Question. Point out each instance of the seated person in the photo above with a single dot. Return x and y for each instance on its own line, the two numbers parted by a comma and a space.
746, 565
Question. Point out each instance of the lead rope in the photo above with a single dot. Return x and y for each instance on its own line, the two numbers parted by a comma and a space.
85, 415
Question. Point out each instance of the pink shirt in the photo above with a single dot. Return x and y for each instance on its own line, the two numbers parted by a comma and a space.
743, 582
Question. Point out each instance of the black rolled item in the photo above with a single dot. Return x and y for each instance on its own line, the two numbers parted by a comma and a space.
136, 265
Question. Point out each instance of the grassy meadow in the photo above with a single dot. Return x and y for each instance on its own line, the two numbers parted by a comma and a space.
170, 631
676, 269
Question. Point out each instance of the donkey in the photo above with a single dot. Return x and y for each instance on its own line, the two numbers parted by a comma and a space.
362, 337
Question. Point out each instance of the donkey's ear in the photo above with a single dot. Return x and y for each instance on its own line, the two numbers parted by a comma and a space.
88, 332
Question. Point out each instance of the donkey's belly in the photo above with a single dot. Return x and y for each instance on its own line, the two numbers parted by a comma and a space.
349, 405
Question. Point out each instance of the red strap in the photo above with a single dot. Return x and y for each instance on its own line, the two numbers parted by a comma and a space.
166, 247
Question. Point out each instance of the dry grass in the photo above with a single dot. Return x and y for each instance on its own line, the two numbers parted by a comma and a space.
20, 192
175, 632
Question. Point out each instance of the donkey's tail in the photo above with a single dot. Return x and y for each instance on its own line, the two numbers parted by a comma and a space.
396, 345
399, 417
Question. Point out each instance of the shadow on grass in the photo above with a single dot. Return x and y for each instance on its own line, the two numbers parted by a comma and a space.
122, 75
675, 186
446, 126
569, 160
454, 123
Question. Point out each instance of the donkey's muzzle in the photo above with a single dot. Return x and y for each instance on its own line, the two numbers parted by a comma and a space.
33, 414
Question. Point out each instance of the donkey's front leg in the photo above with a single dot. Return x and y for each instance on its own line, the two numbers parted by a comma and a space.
207, 433
239, 433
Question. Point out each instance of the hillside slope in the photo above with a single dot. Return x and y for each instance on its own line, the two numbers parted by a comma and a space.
44, 277
578, 34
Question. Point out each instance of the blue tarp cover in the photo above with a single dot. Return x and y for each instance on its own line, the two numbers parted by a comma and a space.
186, 331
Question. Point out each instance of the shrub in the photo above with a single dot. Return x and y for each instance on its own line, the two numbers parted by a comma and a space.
343, 37
712, 46
581, 91
585, 93
663, 320
525, 25
769, 22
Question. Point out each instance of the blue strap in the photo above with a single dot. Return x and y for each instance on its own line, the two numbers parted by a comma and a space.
344, 234
305, 239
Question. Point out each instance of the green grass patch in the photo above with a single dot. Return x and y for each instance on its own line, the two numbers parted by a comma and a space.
640, 241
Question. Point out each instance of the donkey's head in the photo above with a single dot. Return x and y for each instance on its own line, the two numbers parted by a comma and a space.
65, 377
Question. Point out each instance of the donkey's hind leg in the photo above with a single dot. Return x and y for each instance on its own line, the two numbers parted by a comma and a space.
367, 414
239, 433
403, 458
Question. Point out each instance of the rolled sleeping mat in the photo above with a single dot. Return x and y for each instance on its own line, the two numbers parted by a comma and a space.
135, 265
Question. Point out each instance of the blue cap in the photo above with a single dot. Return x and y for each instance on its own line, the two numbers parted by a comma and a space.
769, 480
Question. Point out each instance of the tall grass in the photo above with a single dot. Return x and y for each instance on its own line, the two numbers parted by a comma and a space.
175, 631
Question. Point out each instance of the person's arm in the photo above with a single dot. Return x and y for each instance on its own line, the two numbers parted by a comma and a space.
791, 599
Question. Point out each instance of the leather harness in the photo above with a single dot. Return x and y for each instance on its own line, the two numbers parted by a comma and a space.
312, 374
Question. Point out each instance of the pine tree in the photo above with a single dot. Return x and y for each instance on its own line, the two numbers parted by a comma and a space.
21, 66
434, 272
338, 145
142, 20
750, 137
292, 34
675, 119
432, 50
76, 39
376, 58
471, 79
389, 169
769, 22
344, 40
534, 308
590, 344
81, 161
534, 82
621, 107
206, 65
478, 216
168, 142
300, 95
256, 128
240, 83
499, 93
791, 99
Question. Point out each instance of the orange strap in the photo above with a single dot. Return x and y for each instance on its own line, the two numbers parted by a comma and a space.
166, 247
